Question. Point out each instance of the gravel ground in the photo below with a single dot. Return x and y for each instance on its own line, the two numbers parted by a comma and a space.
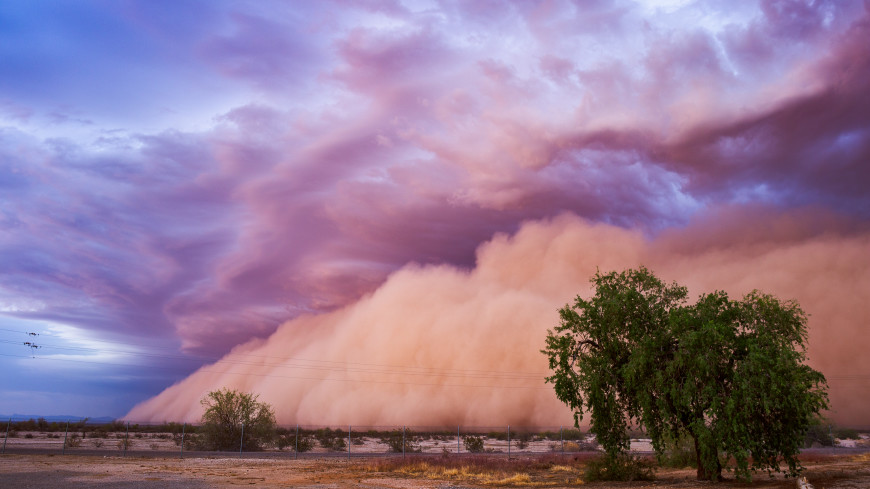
33, 471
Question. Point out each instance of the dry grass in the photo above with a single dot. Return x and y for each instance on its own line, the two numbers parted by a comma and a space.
540, 471
864, 458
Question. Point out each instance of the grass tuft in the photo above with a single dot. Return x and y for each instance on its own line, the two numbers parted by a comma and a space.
534, 471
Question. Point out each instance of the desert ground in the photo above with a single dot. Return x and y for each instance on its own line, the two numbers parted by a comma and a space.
43, 471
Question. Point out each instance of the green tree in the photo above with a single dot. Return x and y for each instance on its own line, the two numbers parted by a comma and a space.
227, 413
727, 373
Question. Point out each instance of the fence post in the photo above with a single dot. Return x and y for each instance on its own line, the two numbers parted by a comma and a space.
242, 440
182, 439
7, 434
457, 439
348, 442
562, 440
509, 442
63, 451
126, 438
403, 442
296, 452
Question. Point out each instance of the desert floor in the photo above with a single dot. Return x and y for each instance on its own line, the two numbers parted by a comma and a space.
82, 471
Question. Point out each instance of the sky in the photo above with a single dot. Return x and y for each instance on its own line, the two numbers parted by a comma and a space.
370, 212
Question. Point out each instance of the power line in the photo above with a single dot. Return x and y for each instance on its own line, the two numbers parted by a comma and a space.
322, 379
335, 365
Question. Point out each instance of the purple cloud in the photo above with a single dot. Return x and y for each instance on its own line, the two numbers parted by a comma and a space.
201, 174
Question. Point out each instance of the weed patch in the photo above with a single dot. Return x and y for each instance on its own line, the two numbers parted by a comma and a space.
536, 471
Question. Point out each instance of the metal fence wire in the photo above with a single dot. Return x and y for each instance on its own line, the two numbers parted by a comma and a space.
122, 438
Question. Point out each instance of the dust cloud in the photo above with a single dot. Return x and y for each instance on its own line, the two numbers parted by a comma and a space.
443, 346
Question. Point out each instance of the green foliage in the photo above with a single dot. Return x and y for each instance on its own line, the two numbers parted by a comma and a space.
395, 440
678, 453
818, 433
288, 440
73, 441
335, 440
473, 444
622, 467
846, 434
227, 412
727, 373
521, 440
497, 435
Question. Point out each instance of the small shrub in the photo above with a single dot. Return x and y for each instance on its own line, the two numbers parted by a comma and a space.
678, 454
473, 444
820, 434
289, 441
620, 468
497, 435
154, 446
74, 441
846, 434
29, 435
394, 440
331, 440
13, 434
192, 441
573, 434
98, 443
124, 443
522, 440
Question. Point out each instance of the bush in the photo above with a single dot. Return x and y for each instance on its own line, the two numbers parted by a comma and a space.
331, 440
521, 440
124, 443
846, 434
678, 454
497, 435
473, 444
572, 434
233, 417
98, 443
192, 441
818, 433
394, 440
289, 441
73, 441
29, 435
620, 468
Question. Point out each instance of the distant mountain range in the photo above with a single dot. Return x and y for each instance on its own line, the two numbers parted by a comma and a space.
55, 419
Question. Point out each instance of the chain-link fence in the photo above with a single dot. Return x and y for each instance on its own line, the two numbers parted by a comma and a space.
121, 438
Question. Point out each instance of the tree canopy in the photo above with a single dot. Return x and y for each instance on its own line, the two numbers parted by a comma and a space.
232, 418
728, 373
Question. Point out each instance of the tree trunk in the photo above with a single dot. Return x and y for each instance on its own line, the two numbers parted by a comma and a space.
702, 473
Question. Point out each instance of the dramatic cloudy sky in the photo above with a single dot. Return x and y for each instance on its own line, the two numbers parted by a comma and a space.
394, 197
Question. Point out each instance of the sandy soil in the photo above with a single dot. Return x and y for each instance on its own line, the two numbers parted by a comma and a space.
81, 471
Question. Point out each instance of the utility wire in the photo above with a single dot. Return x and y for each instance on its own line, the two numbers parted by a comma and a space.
335, 365
323, 379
